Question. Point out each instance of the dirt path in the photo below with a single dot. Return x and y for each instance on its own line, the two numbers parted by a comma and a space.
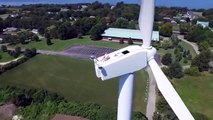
194, 45
150, 108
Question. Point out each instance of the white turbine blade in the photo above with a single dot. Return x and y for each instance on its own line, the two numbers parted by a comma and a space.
146, 19
169, 93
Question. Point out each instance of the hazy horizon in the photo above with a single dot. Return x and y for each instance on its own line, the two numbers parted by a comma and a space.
170, 3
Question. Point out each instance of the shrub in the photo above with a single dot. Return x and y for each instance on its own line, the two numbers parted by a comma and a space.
185, 60
166, 44
178, 57
80, 36
211, 70
130, 41
176, 70
167, 59
167, 72
121, 41
4, 48
192, 71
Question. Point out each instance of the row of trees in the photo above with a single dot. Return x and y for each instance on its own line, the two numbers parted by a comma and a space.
22, 37
164, 111
42, 104
202, 36
203, 61
14, 53
28, 53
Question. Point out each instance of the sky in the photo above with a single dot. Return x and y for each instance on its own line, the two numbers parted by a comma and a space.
206, 4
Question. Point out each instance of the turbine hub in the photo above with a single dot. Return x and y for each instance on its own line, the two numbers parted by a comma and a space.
151, 51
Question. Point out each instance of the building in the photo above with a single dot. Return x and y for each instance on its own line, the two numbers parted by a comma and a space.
116, 34
64, 10
10, 30
35, 31
203, 24
191, 15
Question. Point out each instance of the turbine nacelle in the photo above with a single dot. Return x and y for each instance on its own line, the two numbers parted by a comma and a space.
120, 62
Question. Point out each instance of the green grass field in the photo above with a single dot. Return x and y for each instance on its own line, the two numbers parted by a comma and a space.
4, 16
185, 46
196, 92
5, 57
59, 45
72, 78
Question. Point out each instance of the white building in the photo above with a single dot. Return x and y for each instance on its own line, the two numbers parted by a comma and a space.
203, 24
117, 33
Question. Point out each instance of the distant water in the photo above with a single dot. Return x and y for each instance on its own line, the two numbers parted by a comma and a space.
27, 2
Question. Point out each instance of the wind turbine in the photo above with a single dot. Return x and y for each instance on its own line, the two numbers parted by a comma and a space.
126, 61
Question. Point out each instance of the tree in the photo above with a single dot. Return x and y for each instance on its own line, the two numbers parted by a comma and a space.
4, 48
167, 72
80, 36
66, 31
1, 25
177, 51
192, 71
204, 45
18, 50
202, 60
130, 41
30, 52
157, 116
96, 31
48, 41
196, 33
184, 28
156, 27
166, 30
167, 59
175, 40
176, 70
121, 23
35, 38
166, 44
178, 57
41, 30
121, 41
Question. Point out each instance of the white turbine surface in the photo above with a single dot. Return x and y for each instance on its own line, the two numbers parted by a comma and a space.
169, 93
126, 61
146, 21
126, 85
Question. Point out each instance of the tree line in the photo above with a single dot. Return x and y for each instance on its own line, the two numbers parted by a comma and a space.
42, 104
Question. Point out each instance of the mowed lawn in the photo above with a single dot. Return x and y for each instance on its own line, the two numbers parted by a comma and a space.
5, 57
72, 78
59, 45
162, 51
197, 92
4, 16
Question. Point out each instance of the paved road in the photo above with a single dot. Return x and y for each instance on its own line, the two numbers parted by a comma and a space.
194, 45
150, 108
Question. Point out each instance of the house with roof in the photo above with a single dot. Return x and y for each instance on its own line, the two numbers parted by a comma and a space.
191, 15
10, 30
116, 34
203, 24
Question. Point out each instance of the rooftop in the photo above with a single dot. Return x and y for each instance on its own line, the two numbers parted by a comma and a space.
204, 24
128, 33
